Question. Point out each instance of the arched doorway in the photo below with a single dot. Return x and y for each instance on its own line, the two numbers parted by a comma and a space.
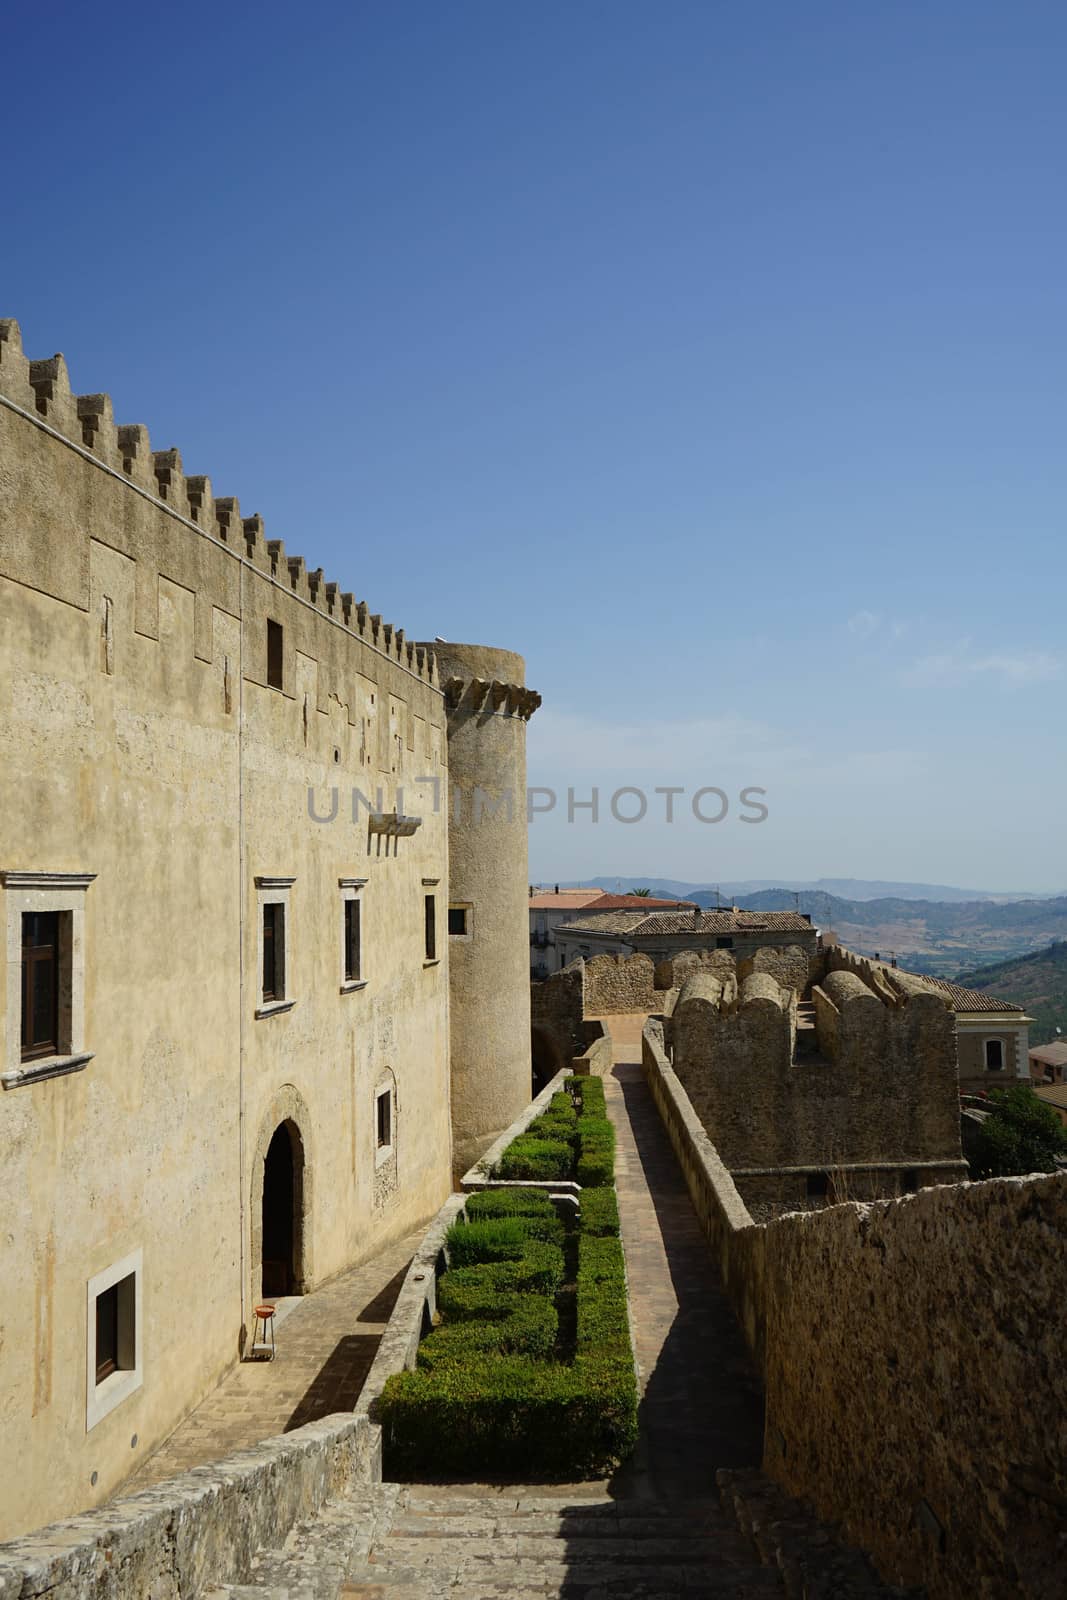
282, 1213
546, 1057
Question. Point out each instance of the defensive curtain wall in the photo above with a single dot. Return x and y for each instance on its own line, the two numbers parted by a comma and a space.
173, 687
911, 1353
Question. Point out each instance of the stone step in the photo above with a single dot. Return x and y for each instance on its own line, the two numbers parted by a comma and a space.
814, 1562
508, 1575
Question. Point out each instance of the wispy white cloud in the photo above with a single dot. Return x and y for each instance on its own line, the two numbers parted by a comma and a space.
864, 623
961, 664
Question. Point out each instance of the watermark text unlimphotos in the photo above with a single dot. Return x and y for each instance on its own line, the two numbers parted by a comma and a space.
628, 804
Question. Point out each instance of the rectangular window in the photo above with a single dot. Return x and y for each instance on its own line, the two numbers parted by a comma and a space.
352, 936
724, 942
457, 922
275, 654
431, 927
385, 1119
818, 1185
40, 984
113, 1354
107, 1333
273, 951
994, 1055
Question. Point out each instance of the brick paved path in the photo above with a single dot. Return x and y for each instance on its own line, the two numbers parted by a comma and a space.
701, 1406
326, 1344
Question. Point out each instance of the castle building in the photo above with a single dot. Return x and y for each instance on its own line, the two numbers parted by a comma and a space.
663, 934
260, 977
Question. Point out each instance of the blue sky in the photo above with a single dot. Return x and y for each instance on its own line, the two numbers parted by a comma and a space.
712, 355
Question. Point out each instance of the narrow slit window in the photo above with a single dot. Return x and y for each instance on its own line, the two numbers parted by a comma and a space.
385, 1119
107, 1333
431, 927
275, 654
352, 942
40, 984
273, 951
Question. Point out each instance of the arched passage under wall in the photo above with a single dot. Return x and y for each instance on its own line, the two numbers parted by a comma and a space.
280, 1211
547, 1056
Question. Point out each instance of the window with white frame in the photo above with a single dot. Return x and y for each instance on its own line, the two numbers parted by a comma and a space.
273, 932
45, 914
352, 931
384, 1122
113, 1337
994, 1055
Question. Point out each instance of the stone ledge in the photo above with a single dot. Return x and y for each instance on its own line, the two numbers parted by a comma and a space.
50, 1067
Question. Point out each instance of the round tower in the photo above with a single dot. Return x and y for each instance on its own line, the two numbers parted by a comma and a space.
488, 888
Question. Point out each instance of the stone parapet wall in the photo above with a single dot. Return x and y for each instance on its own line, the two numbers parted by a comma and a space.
791, 966
914, 1380
616, 983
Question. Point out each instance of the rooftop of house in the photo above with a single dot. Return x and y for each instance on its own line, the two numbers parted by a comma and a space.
642, 924
563, 899
1053, 1094
1050, 1055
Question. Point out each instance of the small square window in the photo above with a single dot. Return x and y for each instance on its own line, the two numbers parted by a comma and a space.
275, 655
353, 953
384, 1119
431, 927
724, 942
818, 1185
457, 922
113, 1337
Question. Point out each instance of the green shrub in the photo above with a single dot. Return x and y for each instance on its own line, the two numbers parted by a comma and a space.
528, 1157
600, 1213
595, 1166
490, 1289
561, 1104
498, 1238
550, 1127
509, 1415
509, 1203
589, 1093
531, 1329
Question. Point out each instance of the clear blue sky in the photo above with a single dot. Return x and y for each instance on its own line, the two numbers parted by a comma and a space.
712, 355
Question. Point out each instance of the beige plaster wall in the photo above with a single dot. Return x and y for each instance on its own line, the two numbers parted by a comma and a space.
139, 742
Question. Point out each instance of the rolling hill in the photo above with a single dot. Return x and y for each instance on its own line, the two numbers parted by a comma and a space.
926, 936
1037, 981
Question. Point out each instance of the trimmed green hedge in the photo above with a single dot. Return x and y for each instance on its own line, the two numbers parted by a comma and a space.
490, 1395
600, 1213
531, 1329
490, 1290
509, 1203
531, 1157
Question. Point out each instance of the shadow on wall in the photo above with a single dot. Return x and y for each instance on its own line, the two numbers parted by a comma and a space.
702, 1406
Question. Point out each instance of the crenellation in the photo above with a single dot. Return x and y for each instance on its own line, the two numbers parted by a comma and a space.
98, 431
135, 448
227, 518
201, 502
255, 542
14, 366
54, 398
170, 479
298, 576
315, 588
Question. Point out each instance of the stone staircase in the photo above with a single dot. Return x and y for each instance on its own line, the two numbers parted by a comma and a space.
426, 1542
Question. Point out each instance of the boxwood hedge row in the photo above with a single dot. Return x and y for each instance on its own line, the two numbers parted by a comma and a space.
490, 1394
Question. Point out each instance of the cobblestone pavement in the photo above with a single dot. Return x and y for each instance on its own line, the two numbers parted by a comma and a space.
701, 1405
326, 1344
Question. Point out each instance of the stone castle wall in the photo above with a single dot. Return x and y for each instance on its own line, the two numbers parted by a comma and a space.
881, 1090
911, 1352
142, 742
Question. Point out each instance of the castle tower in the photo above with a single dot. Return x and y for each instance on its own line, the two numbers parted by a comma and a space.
488, 944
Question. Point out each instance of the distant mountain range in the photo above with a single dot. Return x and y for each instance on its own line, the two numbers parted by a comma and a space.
846, 888
942, 937
1037, 981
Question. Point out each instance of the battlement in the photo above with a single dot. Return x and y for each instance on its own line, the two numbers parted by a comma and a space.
41, 389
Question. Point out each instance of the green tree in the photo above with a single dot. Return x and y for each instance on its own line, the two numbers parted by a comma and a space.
644, 893
1021, 1134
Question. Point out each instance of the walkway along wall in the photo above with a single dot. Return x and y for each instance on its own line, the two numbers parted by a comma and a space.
915, 1387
